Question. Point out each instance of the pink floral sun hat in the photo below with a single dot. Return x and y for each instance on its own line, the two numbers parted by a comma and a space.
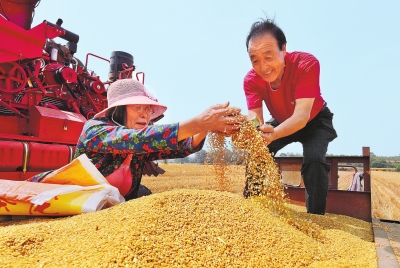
131, 91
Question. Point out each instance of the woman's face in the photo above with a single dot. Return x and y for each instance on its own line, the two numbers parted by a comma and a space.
138, 116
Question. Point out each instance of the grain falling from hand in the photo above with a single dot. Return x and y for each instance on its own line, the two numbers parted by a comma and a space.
217, 156
262, 174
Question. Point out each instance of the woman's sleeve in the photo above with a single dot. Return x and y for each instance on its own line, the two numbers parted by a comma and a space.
101, 137
39, 177
184, 149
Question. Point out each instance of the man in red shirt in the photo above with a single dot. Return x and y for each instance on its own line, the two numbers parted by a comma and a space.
288, 83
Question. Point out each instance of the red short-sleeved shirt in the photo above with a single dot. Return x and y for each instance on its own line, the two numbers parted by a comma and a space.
300, 80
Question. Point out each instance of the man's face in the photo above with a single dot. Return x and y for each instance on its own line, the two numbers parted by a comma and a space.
267, 60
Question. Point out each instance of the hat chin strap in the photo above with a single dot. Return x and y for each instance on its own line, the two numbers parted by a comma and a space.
112, 118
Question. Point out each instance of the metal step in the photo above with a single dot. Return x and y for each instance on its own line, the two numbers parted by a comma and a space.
387, 241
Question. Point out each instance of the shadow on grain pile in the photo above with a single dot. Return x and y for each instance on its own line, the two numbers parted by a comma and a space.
189, 228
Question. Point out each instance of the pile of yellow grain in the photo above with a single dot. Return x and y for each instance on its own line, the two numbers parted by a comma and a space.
188, 228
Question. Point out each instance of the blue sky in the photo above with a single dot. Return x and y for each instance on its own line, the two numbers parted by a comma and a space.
193, 55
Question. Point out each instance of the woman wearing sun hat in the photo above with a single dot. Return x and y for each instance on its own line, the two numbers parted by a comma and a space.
121, 139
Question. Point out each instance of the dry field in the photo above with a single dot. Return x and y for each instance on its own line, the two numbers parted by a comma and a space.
193, 176
385, 185
386, 195
385, 192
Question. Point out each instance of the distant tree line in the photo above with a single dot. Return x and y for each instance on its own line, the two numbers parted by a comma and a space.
385, 162
232, 157
236, 157
381, 161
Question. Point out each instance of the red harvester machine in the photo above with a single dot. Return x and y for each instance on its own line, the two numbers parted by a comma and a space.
46, 94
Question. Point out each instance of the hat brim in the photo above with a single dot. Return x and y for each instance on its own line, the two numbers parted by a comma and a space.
158, 108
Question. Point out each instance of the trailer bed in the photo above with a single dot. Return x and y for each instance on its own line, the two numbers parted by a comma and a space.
357, 204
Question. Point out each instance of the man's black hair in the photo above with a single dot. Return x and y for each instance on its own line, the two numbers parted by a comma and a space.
264, 27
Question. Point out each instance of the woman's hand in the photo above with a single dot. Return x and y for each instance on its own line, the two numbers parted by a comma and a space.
220, 118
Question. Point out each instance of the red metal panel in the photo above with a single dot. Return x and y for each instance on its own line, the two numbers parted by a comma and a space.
19, 11
44, 157
32, 138
17, 176
9, 125
296, 195
56, 125
349, 203
21, 43
11, 155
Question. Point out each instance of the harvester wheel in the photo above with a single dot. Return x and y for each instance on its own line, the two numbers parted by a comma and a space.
12, 77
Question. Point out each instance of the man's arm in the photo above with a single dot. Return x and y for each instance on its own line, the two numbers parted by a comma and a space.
257, 112
297, 121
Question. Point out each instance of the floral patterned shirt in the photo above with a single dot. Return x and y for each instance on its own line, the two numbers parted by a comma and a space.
108, 144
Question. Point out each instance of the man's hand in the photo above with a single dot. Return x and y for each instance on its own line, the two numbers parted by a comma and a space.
268, 133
